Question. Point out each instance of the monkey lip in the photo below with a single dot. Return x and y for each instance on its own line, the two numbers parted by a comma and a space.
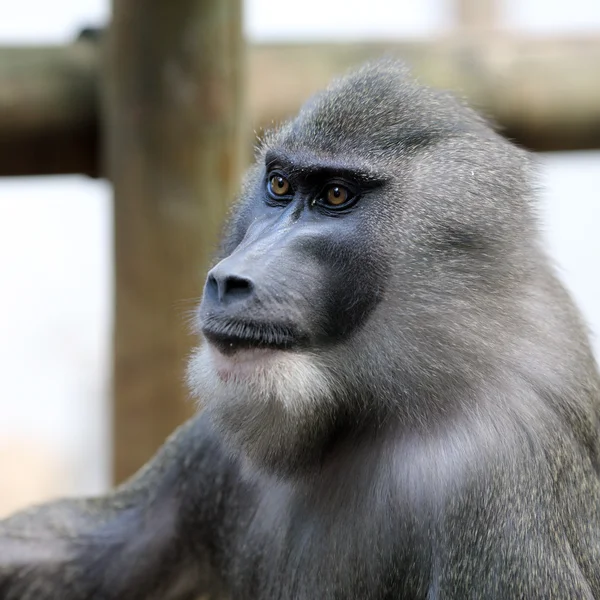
231, 337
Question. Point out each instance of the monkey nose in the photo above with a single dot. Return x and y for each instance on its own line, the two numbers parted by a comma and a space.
227, 287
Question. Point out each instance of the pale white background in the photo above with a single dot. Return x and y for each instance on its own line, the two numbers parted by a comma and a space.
55, 236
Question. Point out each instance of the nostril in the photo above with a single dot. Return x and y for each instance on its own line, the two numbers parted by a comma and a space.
225, 288
236, 287
212, 285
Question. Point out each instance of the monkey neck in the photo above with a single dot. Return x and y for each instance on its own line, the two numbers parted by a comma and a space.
422, 444
393, 466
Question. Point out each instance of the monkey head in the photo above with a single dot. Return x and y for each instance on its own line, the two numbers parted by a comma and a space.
378, 241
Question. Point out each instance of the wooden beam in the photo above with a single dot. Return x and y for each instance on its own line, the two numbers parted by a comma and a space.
173, 112
543, 92
49, 109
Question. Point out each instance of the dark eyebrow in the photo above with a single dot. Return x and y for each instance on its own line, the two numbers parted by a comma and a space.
308, 166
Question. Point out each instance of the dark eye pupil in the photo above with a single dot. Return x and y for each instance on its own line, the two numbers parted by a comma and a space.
337, 192
280, 182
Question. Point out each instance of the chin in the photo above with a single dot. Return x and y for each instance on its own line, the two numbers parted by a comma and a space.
268, 404
245, 365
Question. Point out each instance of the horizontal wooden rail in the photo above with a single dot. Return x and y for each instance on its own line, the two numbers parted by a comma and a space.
49, 109
542, 92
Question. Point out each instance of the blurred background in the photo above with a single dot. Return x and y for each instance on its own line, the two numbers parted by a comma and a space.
166, 103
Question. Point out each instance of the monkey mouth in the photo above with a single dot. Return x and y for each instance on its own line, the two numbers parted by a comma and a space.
230, 337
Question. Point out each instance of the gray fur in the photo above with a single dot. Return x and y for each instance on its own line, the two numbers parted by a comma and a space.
433, 435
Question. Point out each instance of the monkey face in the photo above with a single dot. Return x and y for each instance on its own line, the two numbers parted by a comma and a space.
303, 272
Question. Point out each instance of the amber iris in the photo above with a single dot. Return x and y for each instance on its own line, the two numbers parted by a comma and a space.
279, 185
337, 195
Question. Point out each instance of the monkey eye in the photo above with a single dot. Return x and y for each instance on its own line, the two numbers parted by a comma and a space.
336, 195
279, 186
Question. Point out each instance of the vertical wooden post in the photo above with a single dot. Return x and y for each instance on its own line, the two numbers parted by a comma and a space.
173, 103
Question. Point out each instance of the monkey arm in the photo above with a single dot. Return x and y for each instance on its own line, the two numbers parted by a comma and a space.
147, 539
